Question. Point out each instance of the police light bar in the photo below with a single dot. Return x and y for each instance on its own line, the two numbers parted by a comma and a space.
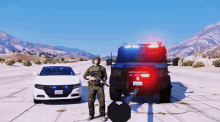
135, 46
128, 46
154, 44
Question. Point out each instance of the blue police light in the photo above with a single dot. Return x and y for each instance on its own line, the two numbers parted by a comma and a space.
54, 87
128, 46
66, 87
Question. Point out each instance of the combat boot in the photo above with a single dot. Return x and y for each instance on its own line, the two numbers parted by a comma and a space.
90, 118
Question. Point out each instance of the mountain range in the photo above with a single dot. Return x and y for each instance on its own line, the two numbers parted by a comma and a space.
206, 38
9, 43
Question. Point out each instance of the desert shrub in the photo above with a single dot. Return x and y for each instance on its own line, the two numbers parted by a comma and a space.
63, 61
37, 62
53, 62
27, 63
44, 62
188, 63
82, 59
216, 63
198, 64
57, 62
19, 60
49, 60
10, 62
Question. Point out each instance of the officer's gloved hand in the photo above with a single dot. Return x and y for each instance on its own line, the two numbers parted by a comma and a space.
90, 78
101, 82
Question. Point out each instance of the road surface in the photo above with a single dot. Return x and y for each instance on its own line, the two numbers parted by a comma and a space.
195, 98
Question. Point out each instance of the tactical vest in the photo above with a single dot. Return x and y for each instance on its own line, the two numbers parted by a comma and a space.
96, 70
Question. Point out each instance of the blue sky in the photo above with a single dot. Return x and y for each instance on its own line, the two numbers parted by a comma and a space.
98, 26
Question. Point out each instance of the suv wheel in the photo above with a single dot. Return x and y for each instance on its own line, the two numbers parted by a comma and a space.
115, 94
165, 94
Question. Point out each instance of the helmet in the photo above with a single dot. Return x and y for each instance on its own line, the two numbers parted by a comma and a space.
96, 58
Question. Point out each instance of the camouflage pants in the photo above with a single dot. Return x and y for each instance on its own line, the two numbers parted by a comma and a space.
101, 98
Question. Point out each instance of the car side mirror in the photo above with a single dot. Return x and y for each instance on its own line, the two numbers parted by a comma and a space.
35, 73
78, 73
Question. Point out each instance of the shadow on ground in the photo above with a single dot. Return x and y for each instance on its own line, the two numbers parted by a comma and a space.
85, 92
177, 94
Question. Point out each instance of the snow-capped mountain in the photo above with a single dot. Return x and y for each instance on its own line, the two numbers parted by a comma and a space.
205, 38
9, 43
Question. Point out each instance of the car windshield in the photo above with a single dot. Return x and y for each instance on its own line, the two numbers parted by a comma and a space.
56, 70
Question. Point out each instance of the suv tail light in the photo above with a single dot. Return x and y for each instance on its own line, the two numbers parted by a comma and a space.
144, 75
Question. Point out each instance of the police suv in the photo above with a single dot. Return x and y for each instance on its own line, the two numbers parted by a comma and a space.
142, 66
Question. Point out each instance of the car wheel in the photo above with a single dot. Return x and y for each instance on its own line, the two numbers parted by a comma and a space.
115, 94
37, 101
165, 94
78, 99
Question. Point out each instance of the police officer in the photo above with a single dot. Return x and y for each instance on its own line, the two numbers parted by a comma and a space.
96, 89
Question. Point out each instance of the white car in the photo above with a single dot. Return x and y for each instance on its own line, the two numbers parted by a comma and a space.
56, 82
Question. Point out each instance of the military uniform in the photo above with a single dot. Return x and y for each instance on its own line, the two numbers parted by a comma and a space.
93, 90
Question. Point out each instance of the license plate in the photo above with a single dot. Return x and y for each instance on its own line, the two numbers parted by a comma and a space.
58, 91
137, 83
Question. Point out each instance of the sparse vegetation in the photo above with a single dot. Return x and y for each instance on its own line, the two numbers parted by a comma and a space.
187, 63
27, 63
44, 62
53, 62
19, 60
198, 64
2, 60
216, 63
82, 59
37, 62
57, 62
62, 59
49, 60
10, 62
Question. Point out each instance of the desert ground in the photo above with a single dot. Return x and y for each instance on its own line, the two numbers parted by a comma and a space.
195, 97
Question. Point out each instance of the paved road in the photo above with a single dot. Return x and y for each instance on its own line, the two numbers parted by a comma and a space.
195, 97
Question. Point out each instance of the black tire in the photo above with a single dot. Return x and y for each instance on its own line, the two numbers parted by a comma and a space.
78, 99
37, 101
165, 94
115, 94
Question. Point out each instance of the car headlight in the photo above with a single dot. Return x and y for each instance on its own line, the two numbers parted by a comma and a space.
77, 85
38, 86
